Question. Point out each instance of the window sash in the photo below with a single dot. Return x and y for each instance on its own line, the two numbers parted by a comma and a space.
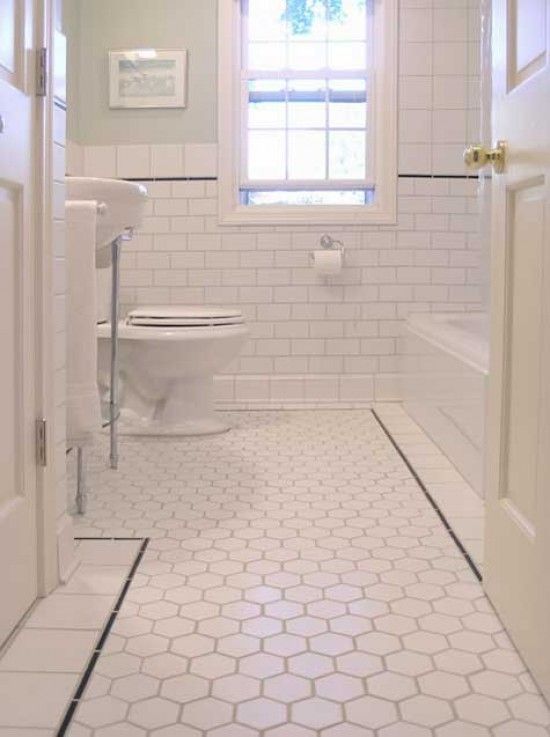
326, 73
245, 40
368, 130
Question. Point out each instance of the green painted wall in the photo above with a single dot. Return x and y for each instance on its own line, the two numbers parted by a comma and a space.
94, 27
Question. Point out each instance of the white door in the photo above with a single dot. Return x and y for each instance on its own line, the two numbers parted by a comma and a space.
18, 542
517, 569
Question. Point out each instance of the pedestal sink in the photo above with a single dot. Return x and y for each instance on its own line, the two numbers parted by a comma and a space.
121, 208
124, 204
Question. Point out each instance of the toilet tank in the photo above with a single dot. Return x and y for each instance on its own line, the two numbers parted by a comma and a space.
103, 292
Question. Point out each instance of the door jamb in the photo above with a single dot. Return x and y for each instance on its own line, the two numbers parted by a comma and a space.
45, 328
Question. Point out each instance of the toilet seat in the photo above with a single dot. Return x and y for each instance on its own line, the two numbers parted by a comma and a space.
184, 316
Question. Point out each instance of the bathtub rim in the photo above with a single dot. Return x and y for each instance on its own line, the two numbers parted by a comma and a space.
451, 339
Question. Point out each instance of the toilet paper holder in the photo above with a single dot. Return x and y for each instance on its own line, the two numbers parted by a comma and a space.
328, 243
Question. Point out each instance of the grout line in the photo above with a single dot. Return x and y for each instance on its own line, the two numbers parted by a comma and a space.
430, 498
170, 179
73, 705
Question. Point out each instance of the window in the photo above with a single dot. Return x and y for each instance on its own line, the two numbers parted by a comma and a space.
307, 111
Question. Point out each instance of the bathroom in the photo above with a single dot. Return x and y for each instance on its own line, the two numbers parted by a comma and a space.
274, 448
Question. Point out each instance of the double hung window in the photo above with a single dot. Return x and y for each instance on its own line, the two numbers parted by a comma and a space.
307, 110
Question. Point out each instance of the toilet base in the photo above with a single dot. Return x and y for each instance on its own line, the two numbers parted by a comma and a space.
185, 409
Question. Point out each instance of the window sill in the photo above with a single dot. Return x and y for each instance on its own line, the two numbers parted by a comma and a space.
309, 216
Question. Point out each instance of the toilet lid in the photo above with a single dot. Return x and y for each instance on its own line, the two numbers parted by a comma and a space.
184, 316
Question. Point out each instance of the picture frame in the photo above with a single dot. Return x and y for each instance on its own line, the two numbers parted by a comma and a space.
148, 78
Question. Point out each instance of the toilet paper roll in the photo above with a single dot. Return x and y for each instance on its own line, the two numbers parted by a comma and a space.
327, 262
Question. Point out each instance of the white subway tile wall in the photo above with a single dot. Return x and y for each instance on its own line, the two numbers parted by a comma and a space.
318, 341
312, 339
439, 84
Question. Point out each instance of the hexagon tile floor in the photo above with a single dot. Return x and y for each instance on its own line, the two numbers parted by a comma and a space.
297, 584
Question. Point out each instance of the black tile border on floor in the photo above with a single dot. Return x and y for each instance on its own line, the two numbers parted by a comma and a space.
431, 500
88, 672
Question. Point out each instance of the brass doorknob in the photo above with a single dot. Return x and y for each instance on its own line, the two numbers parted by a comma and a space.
477, 156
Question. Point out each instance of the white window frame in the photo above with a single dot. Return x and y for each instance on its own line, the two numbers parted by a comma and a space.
381, 142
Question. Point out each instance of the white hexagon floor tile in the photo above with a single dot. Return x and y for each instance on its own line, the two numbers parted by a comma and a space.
297, 584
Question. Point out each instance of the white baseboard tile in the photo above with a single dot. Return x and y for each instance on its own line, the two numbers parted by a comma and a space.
287, 389
224, 389
252, 388
297, 391
321, 389
388, 387
291, 406
356, 388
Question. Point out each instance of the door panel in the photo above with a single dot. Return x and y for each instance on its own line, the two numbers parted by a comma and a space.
7, 35
18, 535
518, 422
522, 380
528, 28
10, 400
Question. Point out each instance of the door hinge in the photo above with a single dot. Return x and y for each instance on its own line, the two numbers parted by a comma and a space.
41, 72
42, 443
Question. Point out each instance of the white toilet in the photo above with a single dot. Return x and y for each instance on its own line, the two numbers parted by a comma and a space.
167, 359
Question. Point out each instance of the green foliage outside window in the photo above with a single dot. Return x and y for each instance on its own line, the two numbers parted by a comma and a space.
301, 13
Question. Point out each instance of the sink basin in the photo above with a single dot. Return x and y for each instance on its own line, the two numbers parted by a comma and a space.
124, 204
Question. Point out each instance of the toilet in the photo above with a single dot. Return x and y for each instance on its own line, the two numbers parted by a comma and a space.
168, 356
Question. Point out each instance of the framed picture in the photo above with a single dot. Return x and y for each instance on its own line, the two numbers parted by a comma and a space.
147, 78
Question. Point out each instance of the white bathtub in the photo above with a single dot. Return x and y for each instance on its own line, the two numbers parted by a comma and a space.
445, 363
